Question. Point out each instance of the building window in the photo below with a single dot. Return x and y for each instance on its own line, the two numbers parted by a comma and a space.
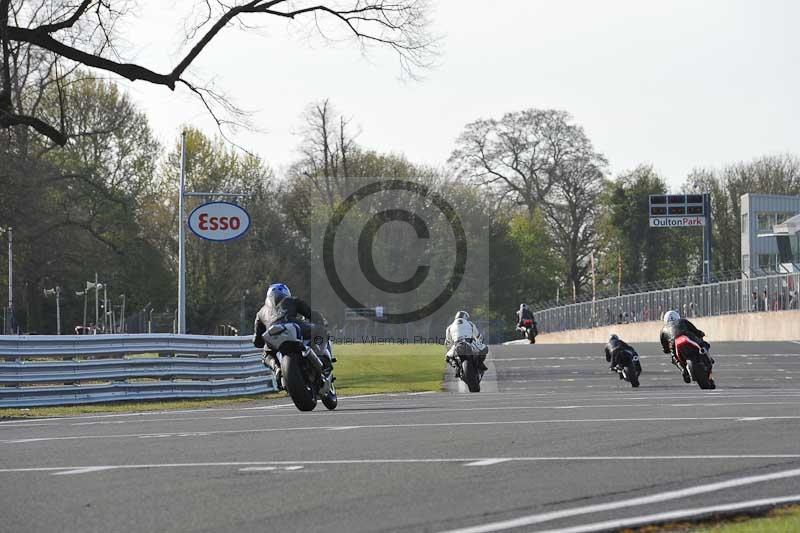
765, 222
768, 262
744, 223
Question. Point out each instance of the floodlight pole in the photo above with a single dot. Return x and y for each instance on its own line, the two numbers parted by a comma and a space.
707, 238
181, 244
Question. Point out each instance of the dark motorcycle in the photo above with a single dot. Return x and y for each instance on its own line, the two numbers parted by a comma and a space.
528, 328
466, 361
628, 367
302, 373
695, 358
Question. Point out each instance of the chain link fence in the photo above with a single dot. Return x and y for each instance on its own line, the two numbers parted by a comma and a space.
745, 295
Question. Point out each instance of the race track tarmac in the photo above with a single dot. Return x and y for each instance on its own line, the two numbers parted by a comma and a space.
553, 442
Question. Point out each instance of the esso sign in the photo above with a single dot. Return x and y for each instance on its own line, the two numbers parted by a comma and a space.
219, 221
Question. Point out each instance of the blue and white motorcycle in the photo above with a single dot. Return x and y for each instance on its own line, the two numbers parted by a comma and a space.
302, 372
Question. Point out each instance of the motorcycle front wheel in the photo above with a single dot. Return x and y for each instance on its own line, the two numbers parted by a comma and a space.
302, 394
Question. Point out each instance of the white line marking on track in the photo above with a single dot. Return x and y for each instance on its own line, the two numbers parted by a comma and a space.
627, 503
443, 460
705, 419
84, 470
680, 514
270, 468
487, 462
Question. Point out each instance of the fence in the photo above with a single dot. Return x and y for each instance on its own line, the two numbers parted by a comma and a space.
765, 293
63, 370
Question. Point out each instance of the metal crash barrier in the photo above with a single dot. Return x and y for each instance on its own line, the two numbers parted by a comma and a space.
62, 370
766, 293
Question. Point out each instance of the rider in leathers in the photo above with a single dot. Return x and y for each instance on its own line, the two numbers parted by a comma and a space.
674, 327
525, 313
280, 307
616, 347
462, 329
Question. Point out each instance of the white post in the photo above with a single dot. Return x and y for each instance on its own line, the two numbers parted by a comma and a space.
122, 316
105, 308
96, 305
181, 252
58, 309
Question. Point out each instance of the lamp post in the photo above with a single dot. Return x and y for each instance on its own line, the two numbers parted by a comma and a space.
8, 322
57, 293
181, 320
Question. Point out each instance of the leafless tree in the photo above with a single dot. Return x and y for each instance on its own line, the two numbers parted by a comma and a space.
326, 146
539, 160
83, 32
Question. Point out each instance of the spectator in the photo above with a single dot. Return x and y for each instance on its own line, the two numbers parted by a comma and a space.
766, 301
792, 299
754, 306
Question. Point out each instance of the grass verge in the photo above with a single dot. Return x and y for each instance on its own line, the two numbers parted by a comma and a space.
779, 520
362, 369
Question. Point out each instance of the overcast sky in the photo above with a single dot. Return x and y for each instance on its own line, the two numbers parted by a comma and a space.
678, 84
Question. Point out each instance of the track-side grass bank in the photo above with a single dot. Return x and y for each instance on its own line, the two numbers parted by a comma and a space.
779, 520
361, 369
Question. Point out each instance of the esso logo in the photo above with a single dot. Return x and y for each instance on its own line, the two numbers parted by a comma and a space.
219, 221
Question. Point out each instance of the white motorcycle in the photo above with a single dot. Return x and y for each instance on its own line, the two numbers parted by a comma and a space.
302, 373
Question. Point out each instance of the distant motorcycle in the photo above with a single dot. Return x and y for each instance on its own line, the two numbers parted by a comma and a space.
303, 374
465, 360
697, 361
528, 328
628, 367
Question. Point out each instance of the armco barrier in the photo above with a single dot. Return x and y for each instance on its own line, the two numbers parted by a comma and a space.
64, 369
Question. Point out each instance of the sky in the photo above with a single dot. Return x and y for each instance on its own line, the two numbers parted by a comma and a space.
678, 84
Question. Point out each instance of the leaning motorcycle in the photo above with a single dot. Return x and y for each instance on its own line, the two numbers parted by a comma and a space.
465, 360
628, 367
697, 361
529, 330
302, 373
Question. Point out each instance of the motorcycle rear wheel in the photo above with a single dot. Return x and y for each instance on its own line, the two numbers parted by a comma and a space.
330, 400
470, 375
633, 376
699, 372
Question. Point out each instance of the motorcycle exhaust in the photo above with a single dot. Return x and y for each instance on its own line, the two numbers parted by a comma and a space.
311, 356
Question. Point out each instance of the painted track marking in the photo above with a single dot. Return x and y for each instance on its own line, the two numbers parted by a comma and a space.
391, 426
462, 460
627, 503
680, 514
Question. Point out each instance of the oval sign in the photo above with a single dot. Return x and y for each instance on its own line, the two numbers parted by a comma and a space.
219, 221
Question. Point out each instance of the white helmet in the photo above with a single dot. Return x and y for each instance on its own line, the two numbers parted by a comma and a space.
671, 316
462, 314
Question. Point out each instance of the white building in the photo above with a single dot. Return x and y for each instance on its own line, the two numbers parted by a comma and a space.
770, 238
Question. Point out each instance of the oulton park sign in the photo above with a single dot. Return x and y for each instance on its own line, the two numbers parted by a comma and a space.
676, 222
677, 210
